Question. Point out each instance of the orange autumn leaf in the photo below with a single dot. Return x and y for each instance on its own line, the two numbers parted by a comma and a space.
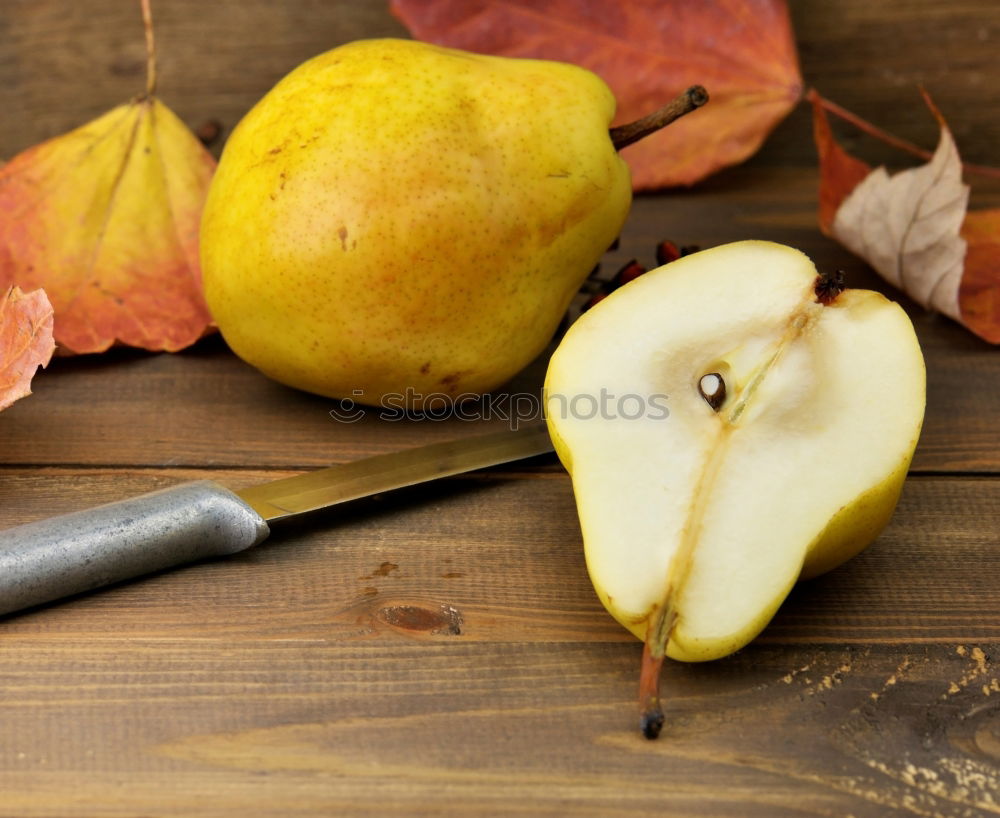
839, 172
25, 341
980, 291
913, 227
106, 219
742, 51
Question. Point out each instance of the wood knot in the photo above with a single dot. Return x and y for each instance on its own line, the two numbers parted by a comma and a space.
446, 620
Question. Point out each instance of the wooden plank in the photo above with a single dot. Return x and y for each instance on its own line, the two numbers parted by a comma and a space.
206, 408
170, 728
442, 652
497, 558
873, 57
63, 64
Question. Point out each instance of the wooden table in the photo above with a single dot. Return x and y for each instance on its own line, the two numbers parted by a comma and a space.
440, 650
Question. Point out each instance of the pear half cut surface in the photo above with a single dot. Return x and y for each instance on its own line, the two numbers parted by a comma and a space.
731, 424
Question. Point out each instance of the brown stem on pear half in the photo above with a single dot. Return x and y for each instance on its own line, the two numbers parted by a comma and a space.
147, 24
829, 286
651, 716
685, 103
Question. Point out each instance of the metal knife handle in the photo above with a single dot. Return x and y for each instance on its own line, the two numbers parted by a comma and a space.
76, 552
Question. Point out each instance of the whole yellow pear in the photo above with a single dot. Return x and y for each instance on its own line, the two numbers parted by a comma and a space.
395, 220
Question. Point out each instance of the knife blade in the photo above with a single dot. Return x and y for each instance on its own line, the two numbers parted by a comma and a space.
318, 489
83, 550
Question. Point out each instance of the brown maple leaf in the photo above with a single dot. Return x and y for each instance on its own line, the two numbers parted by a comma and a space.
913, 227
25, 341
742, 51
106, 219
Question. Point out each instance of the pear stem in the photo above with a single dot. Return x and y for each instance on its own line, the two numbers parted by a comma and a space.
147, 24
685, 103
654, 651
828, 286
651, 716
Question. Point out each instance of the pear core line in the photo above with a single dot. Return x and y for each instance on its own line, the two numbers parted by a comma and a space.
664, 618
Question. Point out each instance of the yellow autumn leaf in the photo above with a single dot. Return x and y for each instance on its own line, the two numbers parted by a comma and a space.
106, 219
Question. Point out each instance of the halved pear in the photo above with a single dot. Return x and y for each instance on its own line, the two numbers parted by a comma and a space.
732, 423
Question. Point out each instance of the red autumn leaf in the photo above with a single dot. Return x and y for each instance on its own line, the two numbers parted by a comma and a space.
25, 341
742, 51
913, 227
106, 219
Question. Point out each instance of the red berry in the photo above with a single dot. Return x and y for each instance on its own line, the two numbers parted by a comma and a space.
629, 272
595, 298
666, 251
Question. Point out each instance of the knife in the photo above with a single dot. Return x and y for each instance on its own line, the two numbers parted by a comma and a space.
50, 559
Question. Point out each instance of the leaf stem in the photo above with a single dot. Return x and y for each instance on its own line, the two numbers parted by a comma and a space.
147, 24
867, 127
624, 135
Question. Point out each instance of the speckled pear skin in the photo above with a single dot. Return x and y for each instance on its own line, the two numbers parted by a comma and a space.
395, 217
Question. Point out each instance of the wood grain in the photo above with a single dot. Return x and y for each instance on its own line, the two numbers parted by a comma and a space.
175, 729
441, 650
873, 57
64, 63
504, 551
204, 407
238, 425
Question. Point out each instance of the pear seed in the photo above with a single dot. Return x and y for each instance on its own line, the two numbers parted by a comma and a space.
713, 389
